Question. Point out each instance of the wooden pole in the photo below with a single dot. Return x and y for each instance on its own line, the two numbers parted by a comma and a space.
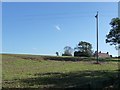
97, 34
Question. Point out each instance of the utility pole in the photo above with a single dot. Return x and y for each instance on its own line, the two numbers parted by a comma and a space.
97, 33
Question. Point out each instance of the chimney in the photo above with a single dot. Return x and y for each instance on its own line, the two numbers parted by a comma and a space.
107, 52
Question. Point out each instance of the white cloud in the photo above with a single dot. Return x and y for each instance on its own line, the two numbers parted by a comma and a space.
58, 27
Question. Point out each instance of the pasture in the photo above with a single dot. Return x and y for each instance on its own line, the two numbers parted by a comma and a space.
34, 71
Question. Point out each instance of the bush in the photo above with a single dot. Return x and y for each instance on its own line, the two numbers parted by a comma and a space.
66, 54
82, 54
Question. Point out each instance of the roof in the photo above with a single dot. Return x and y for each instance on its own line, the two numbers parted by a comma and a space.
103, 55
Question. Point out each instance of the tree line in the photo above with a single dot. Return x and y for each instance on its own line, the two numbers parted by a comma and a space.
82, 49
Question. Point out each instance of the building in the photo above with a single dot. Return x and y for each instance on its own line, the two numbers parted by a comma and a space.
102, 55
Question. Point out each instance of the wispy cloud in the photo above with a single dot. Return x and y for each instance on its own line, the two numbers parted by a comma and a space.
34, 49
58, 27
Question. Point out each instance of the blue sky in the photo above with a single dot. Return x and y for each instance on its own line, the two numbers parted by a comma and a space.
44, 28
60, 0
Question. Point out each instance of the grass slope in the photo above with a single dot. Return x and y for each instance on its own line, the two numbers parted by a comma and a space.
34, 71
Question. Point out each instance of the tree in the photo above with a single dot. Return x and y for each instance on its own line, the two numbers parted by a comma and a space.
113, 37
57, 53
67, 51
83, 49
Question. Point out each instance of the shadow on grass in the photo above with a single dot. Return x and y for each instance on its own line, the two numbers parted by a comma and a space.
84, 79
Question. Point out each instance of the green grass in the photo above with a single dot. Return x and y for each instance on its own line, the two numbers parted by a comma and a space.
34, 71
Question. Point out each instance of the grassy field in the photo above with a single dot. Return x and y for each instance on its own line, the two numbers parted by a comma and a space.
34, 71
